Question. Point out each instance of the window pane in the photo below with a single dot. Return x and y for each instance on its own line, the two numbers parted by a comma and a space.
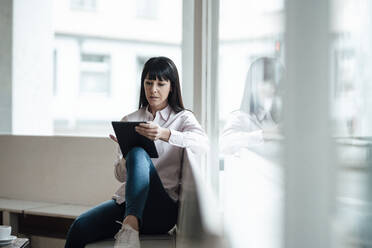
95, 75
351, 60
96, 61
251, 76
83, 4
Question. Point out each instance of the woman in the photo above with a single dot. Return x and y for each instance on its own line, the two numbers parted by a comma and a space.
147, 201
259, 114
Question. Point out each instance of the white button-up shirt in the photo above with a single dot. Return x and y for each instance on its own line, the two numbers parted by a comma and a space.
185, 131
244, 130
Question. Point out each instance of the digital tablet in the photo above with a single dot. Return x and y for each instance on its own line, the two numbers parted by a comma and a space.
128, 138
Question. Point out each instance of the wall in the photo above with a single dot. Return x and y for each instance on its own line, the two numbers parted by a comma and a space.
76, 170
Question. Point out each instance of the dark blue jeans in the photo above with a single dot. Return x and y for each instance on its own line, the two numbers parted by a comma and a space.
145, 198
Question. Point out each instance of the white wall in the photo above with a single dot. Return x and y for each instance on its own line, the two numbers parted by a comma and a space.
76, 170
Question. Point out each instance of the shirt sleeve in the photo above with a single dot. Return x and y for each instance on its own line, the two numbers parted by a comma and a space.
120, 170
240, 132
191, 134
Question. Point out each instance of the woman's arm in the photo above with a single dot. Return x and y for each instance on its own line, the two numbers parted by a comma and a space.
190, 136
240, 131
231, 142
120, 170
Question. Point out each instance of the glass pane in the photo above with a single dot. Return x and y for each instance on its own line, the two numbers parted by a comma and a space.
351, 60
100, 57
251, 78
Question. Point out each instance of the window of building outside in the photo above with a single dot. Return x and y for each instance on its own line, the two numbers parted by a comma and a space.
97, 70
147, 9
55, 76
84, 5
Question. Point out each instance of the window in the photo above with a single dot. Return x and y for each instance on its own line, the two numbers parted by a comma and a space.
84, 4
95, 75
55, 72
100, 60
351, 113
85, 75
250, 76
147, 9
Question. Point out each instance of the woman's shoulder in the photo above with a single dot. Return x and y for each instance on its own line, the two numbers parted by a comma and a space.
135, 116
184, 114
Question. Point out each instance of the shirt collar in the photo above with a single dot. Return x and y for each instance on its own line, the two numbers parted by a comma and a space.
164, 113
261, 115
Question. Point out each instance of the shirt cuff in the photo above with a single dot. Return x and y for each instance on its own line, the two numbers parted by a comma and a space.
176, 138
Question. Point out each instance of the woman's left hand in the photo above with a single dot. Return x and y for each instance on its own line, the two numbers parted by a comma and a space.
153, 131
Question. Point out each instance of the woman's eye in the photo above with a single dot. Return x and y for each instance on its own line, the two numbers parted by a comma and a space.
148, 83
161, 84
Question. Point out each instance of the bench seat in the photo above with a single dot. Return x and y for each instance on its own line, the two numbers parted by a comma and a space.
19, 206
11, 208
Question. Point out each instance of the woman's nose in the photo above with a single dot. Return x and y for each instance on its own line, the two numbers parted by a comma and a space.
154, 88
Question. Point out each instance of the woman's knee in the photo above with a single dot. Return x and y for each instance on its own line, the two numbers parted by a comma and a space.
78, 235
75, 227
136, 154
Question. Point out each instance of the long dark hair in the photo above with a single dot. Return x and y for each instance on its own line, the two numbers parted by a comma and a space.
162, 68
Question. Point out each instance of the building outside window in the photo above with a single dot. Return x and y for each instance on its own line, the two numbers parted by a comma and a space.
87, 5
98, 66
147, 9
95, 75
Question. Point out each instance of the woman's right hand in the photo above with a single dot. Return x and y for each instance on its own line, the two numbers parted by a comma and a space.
113, 138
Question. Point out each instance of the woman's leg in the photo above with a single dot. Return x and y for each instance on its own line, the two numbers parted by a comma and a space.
138, 165
96, 224
146, 197
161, 212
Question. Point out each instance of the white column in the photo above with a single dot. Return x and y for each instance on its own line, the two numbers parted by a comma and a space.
6, 17
199, 63
212, 107
187, 53
205, 86
32, 56
308, 150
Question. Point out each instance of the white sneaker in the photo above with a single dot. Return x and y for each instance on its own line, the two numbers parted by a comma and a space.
127, 237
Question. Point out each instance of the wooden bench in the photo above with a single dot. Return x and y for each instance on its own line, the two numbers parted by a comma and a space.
12, 209
199, 223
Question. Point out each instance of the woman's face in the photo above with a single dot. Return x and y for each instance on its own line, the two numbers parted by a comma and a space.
265, 94
157, 92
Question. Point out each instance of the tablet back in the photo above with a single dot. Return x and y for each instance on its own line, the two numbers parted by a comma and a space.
129, 138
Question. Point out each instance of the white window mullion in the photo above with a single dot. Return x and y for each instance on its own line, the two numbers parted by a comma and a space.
212, 107
204, 69
308, 152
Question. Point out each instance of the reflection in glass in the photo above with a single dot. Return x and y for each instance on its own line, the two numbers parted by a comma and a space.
351, 60
250, 78
260, 111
